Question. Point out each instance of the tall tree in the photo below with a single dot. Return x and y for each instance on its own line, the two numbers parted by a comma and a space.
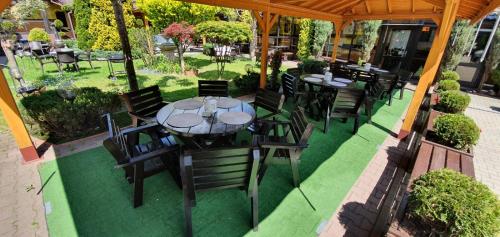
82, 12
304, 45
369, 38
127, 52
182, 35
493, 59
162, 13
461, 39
322, 29
223, 35
103, 23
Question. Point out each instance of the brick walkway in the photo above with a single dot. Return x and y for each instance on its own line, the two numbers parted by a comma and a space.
21, 209
358, 212
486, 112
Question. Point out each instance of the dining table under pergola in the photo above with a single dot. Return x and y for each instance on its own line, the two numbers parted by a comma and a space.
341, 12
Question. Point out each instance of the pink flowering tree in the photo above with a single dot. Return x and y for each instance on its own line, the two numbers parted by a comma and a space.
182, 34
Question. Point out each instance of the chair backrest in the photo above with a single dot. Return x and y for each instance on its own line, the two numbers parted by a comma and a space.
219, 168
269, 100
364, 76
301, 129
348, 100
388, 81
213, 88
289, 83
404, 75
66, 56
116, 143
145, 102
343, 72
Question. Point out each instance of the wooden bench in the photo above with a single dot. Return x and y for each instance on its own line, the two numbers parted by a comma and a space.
433, 156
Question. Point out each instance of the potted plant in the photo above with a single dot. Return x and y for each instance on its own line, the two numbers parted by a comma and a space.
276, 61
451, 101
448, 81
455, 131
248, 82
448, 203
37, 36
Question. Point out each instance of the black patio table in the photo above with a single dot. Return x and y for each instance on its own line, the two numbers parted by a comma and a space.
212, 128
324, 96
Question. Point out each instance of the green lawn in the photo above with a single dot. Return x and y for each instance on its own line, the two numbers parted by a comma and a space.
87, 197
174, 87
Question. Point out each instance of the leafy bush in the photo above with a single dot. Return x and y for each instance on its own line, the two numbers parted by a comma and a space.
312, 66
450, 75
248, 82
456, 130
495, 77
163, 65
70, 43
304, 45
38, 34
454, 204
64, 119
448, 85
207, 48
58, 24
453, 102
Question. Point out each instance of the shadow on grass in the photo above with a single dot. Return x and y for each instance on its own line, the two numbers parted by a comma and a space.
197, 62
214, 75
184, 82
100, 200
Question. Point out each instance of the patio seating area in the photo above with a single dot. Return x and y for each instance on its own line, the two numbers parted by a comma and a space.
84, 192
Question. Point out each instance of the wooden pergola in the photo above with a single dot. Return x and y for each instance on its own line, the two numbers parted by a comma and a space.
341, 13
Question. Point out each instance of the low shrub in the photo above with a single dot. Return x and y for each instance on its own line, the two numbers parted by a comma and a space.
312, 66
63, 119
248, 82
70, 43
453, 204
38, 34
448, 85
163, 65
450, 75
58, 24
453, 102
456, 130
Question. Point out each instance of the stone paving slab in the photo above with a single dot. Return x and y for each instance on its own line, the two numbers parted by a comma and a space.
21, 208
486, 113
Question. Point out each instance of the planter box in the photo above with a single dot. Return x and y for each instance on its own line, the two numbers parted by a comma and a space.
434, 156
433, 115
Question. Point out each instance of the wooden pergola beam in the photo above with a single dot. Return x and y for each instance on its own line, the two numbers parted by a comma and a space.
275, 8
339, 27
491, 7
367, 6
430, 16
267, 20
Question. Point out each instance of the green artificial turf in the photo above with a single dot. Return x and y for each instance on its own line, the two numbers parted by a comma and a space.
87, 197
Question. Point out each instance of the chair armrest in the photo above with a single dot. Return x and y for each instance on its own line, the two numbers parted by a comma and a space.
282, 145
147, 156
140, 129
273, 122
133, 114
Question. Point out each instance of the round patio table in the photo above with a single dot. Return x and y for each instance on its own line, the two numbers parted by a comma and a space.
374, 70
196, 125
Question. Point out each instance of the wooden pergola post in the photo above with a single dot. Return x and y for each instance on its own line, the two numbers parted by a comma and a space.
265, 22
15, 122
339, 27
432, 64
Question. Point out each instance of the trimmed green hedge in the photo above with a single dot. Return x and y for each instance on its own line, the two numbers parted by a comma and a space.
64, 119
453, 101
450, 75
456, 130
38, 34
312, 66
453, 204
448, 85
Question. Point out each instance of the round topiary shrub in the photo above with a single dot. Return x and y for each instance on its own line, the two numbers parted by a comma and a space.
456, 130
58, 24
453, 204
453, 102
64, 119
38, 34
450, 75
448, 85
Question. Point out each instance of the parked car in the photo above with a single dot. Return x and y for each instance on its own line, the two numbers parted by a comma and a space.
163, 44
